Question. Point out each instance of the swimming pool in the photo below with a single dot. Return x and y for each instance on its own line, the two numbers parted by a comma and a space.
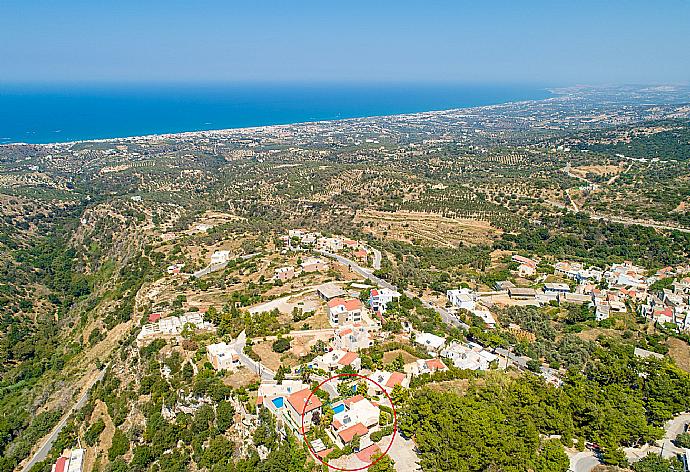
339, 408
278, 402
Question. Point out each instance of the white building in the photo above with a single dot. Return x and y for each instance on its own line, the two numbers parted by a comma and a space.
70, 461
379, 298
431, 342
352, 338
222, 356
387, 380
336, 360
220, 257
461, 298
470, 356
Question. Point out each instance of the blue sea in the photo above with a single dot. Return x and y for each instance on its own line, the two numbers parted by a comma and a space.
47, 114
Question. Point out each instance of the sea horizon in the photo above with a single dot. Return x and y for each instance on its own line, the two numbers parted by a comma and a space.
62, 113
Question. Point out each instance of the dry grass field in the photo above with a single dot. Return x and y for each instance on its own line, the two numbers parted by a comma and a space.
428, 228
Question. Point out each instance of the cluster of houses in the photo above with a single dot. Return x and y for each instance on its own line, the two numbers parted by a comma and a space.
470, 356
466, 299
301, 239
172, 325
354, 416
307, 266
670, 305
608, 291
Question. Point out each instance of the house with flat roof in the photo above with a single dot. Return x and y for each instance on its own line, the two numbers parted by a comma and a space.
314, 265
330, 291
469, 356
284, 273
222, 356
575, 298
461, 298
430, 342
220, 257
521, 293
556, 287
352, 337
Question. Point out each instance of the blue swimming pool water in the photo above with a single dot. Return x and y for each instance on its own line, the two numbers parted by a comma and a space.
339, 408
278, 402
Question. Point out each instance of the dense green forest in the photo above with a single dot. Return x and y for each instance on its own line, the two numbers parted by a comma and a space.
617, 400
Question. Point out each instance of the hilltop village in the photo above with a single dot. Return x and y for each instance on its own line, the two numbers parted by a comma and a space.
493, 288
348, 321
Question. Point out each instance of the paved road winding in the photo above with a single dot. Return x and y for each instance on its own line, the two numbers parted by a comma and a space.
47, 445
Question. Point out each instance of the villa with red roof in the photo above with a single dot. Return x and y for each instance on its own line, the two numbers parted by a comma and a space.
352, 338
387, 380
297, 403
429, 366
342, 311
337, 359
359, 417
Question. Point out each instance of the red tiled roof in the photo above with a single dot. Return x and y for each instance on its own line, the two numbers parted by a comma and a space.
298, 399
367, 453
345, 332
353, 304
435, 364
259, 400
153, 317
357, 429
396, 378
348, 358
324, 453
337, 424
355, 399
374, 292
60, 464
335, 302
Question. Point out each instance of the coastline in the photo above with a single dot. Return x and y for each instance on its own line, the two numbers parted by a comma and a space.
294, 107
245, 129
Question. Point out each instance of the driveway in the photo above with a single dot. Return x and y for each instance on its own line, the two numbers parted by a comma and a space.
583, 461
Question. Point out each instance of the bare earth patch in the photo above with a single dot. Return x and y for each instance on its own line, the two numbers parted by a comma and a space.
679, 351
391, 355
430, 228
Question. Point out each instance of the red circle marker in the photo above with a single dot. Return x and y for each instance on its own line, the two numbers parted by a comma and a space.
395, 422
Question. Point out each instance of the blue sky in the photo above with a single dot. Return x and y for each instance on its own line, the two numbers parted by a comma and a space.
546, 42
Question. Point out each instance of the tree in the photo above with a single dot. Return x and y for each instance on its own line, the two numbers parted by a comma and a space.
119, 446
345, 389
683, 440
187, 371
386, 464
552, 458
398, 363
94, 432
224, 415
280, 374
327, 416
362, 388
281, 345
656, 463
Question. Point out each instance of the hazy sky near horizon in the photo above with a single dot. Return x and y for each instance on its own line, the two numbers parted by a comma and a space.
527, 41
